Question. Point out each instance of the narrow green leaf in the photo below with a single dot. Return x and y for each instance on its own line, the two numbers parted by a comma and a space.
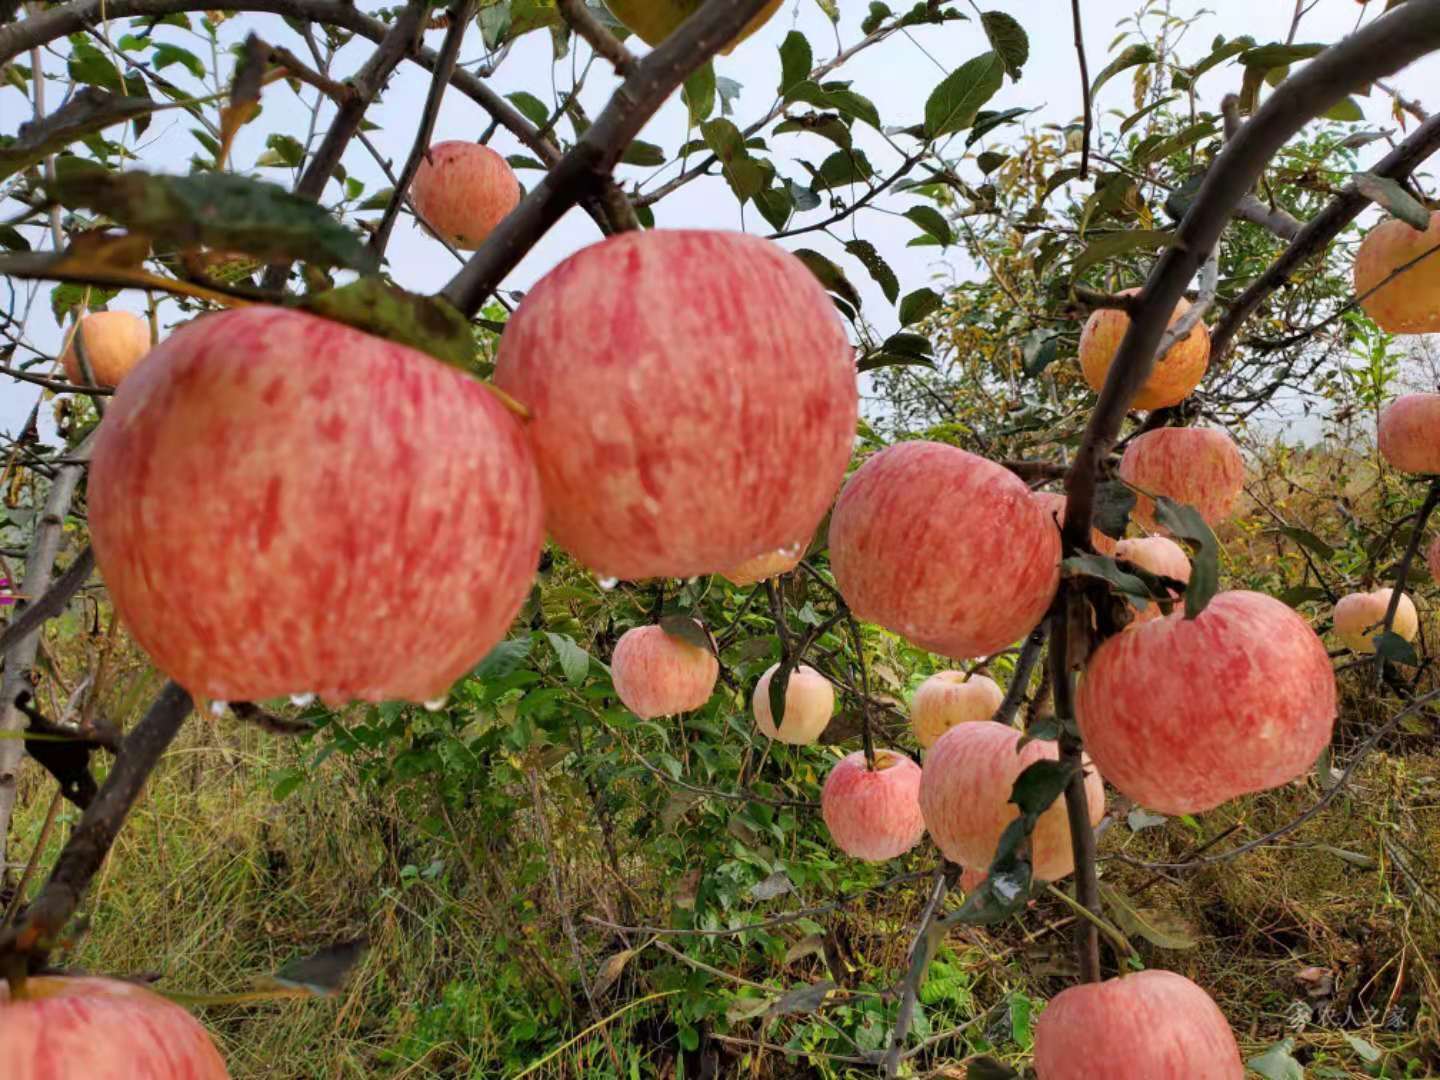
1278, 1063
829, 275
919, 304
699, 94
574, 661
534, 109
1186, 523
1108, 570
933, 222
685, 628
504, 659
1163, 929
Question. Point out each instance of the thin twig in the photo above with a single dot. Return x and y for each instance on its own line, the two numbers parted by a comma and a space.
1020, 680
922, 951
1432, 497
1084, 89
597, 36
1077, 800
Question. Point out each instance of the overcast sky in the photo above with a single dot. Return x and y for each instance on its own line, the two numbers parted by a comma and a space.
898, 75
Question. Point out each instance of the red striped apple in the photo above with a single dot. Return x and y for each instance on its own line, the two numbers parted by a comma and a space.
965, 797
944, 548
1054, 505
1200, 467
1409, 436
284, 505
1159, 555
699, 414
873, 814
1183, 714
948, 698
1148, 1025
85, 1028
657, 674
1175, 374
809, 701
461, 191
1360, 616
1405, 304
115, 341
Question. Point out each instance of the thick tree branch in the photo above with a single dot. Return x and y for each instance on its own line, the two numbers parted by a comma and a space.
1077, 801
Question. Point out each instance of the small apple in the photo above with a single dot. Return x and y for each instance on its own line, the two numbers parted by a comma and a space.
657, 674
1182, 714
948, 698
873, 814
652, 21
1409, 433
1148, 1025
965, 797
86, 1028
809, 701
1160, 556
461, 191
115, 341
1360, 616
944, 548
702, 411
1405, 304
766, 565
1175, 374
1200, 467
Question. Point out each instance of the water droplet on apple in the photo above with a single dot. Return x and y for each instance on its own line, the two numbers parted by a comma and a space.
607, 583
435, 704
219, 708
301, 700
791, 551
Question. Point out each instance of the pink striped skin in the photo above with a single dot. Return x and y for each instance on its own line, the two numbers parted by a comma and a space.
283, 505
462, 190
1149, 1025
101, 1029
1181, 715
656, 674
948, 698
945, 549
873, 815
694, 400
965, 798
1409, 433
1200, 467
1159, 555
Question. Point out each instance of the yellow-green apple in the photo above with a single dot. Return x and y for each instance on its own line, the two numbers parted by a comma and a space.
1360, 616
1054, 506
658, 674
652, 21
944, 548
948, 698
1406, 303
702, 411
965, 797
1175, 374
873, 814
461, 191
114, 341
766, 565
1181, 714
809, 701
1159, 555
1409, 435
1200, 467
284, 505
86, 1028
1148, 1025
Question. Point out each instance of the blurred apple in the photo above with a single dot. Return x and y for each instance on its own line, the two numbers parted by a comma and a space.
1406, 303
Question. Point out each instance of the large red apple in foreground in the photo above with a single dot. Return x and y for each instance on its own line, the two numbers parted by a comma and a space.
283, 505
965, 798
1409, 433
1200, 467
1404, 304
948, 698
115, 341
1149, 1025
809, 701
694, 400
462, 190
944, 548
1182, 714
657, 674
1359, 618
1174, 375
101, 1029
873, 814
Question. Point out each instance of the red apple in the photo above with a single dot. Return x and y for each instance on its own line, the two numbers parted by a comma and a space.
965, 798
83, 1028
944, 548
462, 190
1175, 374
948, 698
1159, 555
1360, 616
972, 877
115, 341
1148, 1025
809, 701
699, 413
657, 674
1182, 714
1405, 304
1410, 433
1200, 467
284, 505
873, 814
1054, 506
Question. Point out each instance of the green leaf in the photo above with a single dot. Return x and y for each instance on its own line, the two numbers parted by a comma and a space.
796, 61
1163, 148
1110, 245
1008, 39
1130, 57
1347, 110
878, 14
879, 269
802, 1000
1307, 539
987, 121
1039, 785
699, 93
287, 149
685, 628
89, 111
1163, 929
829, 275
1038, 351
779, 684
933, 222
531, 106
1221, 51
987, 1068
1186, 523
1394, 198
775, 204
1277, 1063
991, 160
286, 784
87, 64
1302, 594
504, 659
744, 175
837, 96
378, 307
954, 104
166, 54
919, 304
1108, 570
67, 298
1392, 646
574, 661
844, 167
826, 125
1113, 502
643, 153
1266, 57
729, 91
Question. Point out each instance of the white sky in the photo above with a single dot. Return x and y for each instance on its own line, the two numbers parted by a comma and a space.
898, 75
